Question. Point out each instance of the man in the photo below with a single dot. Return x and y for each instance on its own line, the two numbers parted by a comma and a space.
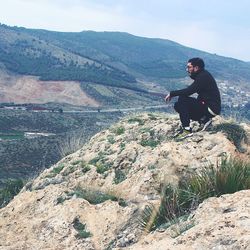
205, 106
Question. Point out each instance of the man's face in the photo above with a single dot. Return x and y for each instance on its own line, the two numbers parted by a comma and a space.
191, 69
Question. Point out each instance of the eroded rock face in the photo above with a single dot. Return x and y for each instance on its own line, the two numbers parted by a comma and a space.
29, 89
129, 162
218, 223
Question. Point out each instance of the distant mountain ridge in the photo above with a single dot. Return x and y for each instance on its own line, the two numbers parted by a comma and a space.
113, 59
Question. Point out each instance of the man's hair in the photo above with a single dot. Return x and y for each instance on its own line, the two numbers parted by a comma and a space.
196, 61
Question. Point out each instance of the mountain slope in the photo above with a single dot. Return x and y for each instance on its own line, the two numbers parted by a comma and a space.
110, 59
92, 198
155, 58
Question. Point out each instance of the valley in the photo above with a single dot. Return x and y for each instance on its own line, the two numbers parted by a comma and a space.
33, 141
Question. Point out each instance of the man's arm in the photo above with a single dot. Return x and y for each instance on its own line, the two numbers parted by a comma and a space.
193, 88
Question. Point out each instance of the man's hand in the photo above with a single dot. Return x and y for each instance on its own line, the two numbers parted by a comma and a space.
168, 98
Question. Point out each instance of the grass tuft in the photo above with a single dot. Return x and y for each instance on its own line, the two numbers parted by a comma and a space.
230, 176
92, 196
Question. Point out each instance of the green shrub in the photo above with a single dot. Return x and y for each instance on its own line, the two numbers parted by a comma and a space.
150, 142
102, 168
76, 162
100, 162
119, 131
122, 146
11, 188
93, 196
119, 176
95, 160
85, 168
58, 169
82, 233
111, 139
230, 176
55, 171
61, 199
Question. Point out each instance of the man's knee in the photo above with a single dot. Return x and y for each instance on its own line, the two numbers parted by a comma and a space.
183, 99
182, 102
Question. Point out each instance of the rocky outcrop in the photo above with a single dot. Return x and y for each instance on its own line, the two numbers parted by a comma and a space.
218, 223
125, 165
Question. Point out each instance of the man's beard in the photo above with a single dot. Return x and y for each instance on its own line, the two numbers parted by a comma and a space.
194, 74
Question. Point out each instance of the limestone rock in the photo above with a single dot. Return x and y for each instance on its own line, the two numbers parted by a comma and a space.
125, 165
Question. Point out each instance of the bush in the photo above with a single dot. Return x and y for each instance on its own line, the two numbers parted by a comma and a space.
119, 131
82, 233
119, 176
150, 143
230, 176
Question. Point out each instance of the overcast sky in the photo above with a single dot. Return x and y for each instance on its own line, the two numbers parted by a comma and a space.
216, 26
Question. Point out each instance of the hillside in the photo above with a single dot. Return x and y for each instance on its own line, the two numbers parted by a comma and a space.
92, 199
103, 68
23, 157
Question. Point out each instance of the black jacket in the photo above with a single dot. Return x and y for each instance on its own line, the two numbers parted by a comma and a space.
205, 86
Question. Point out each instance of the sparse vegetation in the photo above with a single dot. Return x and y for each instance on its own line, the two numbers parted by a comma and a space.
82, 232
234, 132
56, 170
229, 176
148, 130
96, 159
181, 226
93, 196
101, 163
69, 170
136, 119
152, 117
11, 188
119, 176
24, 158
111, 139
150, 142
122, 146
61, 199
102, 167
71, 143
119, 130
85, 168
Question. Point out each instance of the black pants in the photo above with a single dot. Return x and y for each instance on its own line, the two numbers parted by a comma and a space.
190, 109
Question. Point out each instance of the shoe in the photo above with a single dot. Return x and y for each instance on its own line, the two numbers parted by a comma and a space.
183, 133
178, 131
205, 123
